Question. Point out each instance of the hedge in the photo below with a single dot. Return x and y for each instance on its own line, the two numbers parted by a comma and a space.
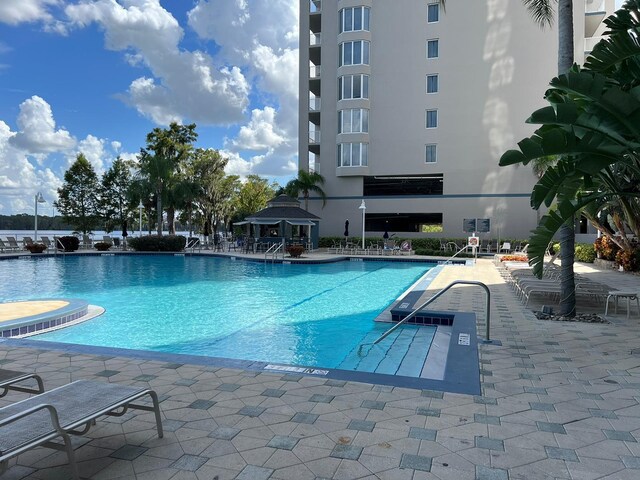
157, 243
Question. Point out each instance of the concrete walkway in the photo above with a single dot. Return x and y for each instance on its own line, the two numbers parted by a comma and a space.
560, 401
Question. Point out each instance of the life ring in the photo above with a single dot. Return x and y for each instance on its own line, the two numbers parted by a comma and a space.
405, 246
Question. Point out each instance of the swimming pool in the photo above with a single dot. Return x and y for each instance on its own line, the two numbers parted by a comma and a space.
295, 314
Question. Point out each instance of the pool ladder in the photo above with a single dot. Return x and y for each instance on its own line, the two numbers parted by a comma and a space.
273, 251
431, 300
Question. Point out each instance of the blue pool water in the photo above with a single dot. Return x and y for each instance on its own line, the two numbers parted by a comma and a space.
311, 315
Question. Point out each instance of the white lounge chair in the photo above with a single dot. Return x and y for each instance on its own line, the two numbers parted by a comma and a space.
5, 247
67, 410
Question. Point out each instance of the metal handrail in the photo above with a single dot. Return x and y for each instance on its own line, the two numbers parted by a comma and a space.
454, 255
437, 295
273, 250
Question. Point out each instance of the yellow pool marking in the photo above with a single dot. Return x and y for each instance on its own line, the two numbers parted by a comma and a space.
14, 310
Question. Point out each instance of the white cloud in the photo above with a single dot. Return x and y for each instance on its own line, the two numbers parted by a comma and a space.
186, 85
260, 133
38, 132
93, 149
14, 12
20, 180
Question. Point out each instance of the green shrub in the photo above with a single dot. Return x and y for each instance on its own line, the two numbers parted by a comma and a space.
440, 253
156, 243
585, 252
70, 243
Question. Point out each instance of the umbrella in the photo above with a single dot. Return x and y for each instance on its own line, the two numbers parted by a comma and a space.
346, 228
386, 235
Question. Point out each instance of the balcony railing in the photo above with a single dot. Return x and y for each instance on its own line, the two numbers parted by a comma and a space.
315, 39
314, 104
590, 42
314, 137
592, 6
315, 6
314, 71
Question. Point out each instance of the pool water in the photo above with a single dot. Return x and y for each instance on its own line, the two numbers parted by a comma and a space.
295, 314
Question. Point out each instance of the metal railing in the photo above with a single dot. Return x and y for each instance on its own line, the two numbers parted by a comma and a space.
314, 71
448, 260
591, 42
273, 251
435, 297
314, 104
315, 6
314, 137
315, 39
592, 6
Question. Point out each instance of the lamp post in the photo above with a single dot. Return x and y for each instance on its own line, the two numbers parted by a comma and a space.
38, 199
363, 207
140, 207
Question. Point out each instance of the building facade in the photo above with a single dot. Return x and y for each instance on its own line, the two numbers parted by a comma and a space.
409, 106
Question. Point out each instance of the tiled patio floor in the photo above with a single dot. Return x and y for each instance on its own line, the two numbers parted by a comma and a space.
560, 401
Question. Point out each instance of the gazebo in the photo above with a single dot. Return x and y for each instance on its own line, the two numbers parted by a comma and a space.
283, 219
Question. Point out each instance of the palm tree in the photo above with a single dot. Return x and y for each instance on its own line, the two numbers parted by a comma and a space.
305, 183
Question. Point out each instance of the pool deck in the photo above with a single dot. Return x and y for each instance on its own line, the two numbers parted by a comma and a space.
560, 401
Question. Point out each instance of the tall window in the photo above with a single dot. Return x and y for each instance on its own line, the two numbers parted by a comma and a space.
354, 19
432, 118
353, 154
432, 48
431, 154
353, 120
432, 83
354, 53
433, 12
353, 86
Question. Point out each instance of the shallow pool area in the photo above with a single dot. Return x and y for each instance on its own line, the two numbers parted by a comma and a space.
293, 314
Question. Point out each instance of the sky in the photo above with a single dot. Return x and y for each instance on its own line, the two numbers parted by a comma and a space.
96, 76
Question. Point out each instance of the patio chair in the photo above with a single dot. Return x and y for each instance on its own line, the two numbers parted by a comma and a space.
506, 247
46, 242
64, 411
9, 379
13, 243
86, 241
5, 247
405, 248
116, 242
107, 239
26, 241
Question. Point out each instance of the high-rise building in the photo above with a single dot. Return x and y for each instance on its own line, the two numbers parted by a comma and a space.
408, 106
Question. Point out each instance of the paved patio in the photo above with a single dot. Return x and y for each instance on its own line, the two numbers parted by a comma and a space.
560, 401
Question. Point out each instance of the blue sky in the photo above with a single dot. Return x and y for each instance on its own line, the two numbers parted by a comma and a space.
95, 76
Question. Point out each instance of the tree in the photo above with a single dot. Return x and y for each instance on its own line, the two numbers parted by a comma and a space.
116, 202
592, 125
543, 14
253, 195
159, 164
305, 183
78, 196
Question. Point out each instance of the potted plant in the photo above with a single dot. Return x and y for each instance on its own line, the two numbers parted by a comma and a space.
36, 247
102, 246
295, 251
69, 243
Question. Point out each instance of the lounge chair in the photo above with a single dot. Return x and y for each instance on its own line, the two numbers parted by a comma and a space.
70, 409
506, 247
192, 244
86, 241
116, 242
9, 379
5, 247
107, 239
46, 242
13, 243
27, 241
405, 248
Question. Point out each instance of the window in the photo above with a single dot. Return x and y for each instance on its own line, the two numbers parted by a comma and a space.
353, 120
431, 156
353, 86
432, 48
433, 12
432, 83
353, 154
354, 19
432, 118
354, 53
403, 222
403, 185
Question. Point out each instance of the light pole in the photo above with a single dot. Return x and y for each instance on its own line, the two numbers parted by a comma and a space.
140, 207
363, 207
38, 199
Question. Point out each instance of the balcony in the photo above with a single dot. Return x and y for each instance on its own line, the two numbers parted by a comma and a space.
314, 137
314, 104
594, 15
589, 43
315, 71
315, 6
315, 39
592, 6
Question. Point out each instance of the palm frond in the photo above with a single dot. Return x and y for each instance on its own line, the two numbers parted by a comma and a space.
541, 11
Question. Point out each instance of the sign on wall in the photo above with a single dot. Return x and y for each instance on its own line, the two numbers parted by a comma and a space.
469, 225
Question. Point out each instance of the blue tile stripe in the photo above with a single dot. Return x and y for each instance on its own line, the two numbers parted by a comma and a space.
75, 309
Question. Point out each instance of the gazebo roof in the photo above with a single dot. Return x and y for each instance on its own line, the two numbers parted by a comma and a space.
283, 208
